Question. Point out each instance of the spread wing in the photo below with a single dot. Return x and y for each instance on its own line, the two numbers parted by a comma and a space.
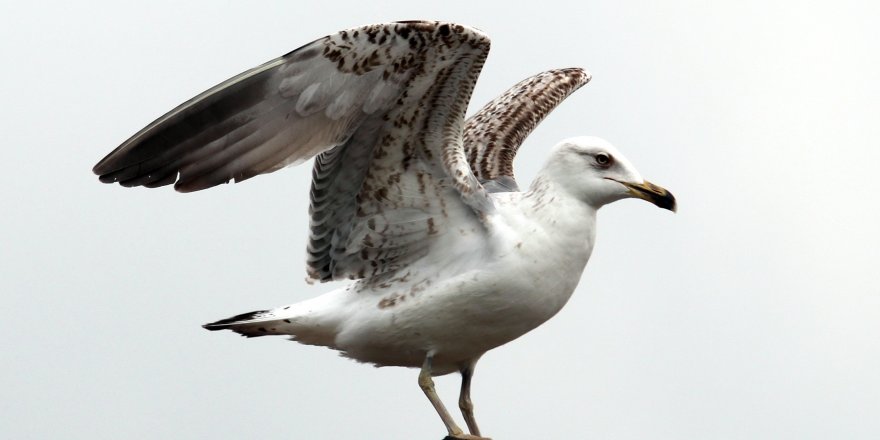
494, 134
383, 108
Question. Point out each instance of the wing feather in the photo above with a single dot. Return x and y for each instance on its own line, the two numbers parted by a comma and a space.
493, 135
381, 106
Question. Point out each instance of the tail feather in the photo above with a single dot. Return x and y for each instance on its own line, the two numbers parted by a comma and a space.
296, 321
229, 322
253, 324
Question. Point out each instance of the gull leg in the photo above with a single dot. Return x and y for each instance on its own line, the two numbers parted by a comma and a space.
464, 399
427, 385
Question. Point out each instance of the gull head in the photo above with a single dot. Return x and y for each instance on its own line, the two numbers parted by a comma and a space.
592, 170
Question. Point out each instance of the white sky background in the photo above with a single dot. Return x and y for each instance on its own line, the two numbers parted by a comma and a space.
753, 313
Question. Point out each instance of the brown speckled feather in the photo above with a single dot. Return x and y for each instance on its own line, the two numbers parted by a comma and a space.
383, 108
493, 135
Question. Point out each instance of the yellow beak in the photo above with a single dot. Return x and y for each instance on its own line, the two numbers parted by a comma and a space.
652, 193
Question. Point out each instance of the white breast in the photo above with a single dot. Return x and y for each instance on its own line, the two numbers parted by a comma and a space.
524, 273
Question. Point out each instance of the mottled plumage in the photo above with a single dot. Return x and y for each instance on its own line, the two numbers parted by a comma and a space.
495, 133
417, 204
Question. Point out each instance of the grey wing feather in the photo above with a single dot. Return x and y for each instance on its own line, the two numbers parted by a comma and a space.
383, 198
278, 114
383, 108
493, 135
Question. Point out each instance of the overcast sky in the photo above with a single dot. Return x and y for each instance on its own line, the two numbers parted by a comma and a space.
753, 313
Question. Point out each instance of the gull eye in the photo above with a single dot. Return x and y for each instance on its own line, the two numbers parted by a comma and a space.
603, 160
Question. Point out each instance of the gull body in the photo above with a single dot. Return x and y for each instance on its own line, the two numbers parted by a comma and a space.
414, 202
477, 291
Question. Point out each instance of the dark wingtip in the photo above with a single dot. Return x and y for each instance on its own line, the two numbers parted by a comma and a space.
100, 168
109, 164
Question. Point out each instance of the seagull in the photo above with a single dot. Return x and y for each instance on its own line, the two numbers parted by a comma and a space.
409, 199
